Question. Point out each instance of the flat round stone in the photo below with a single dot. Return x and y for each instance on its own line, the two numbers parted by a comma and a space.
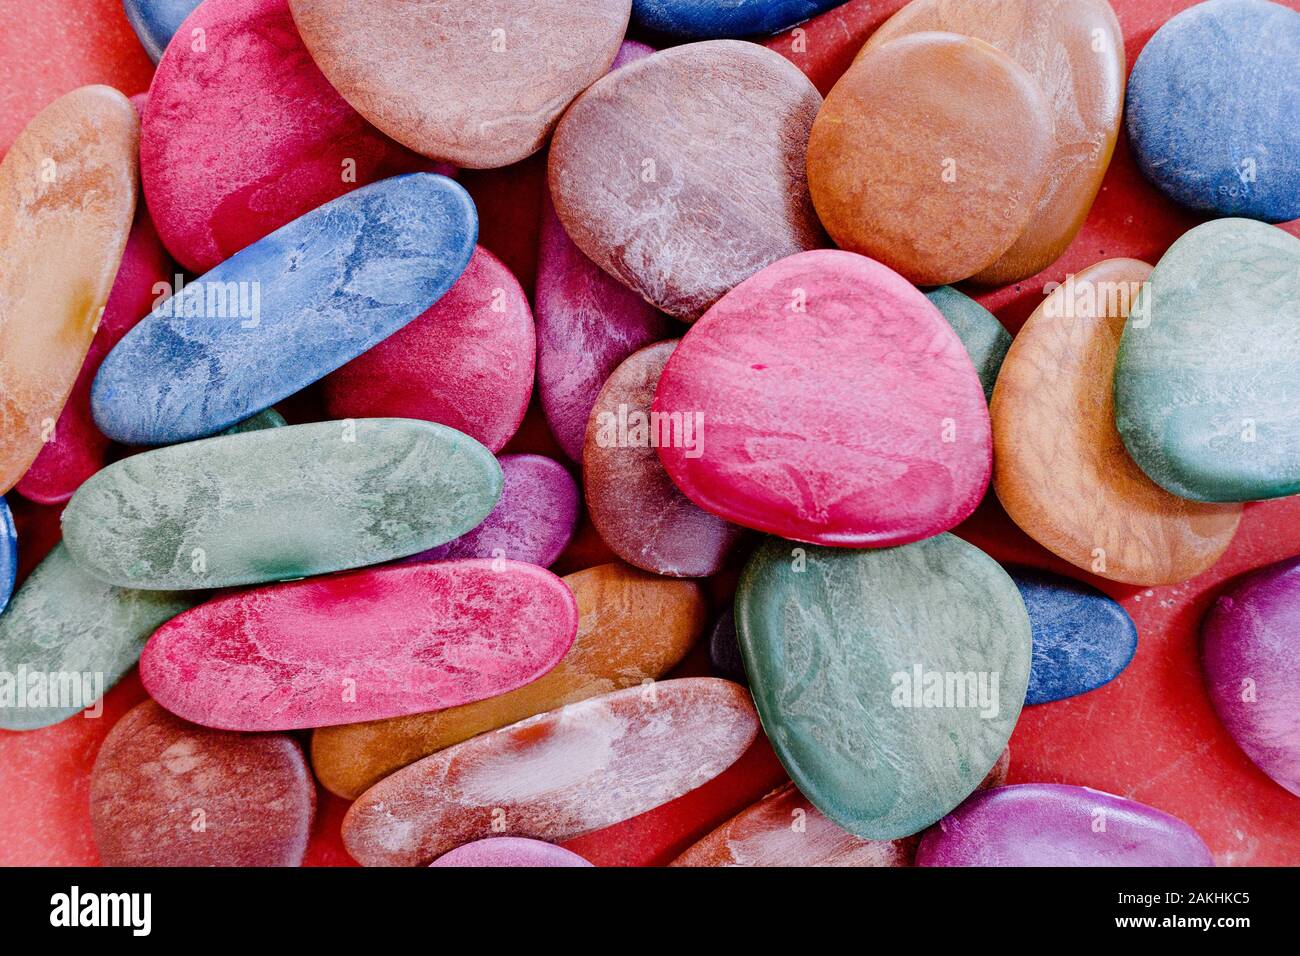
1042, 824
985, 339
371, 644
1214, 109
931, 644
167, 793
724, 651
479, 86
1207, 406
938, 200
67, 199
1074, 50
63, 621
248, 80
633, 503
155, 22
510, 851
1060, 468
467, 362
632, 627
683, 173
286, 311
715, 19
1251, 657
76, 448
8, 554
835, 404
1082, 638
533, 520
558, 775
281, 503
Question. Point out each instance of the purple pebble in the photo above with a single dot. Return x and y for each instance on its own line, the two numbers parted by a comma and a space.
509, 851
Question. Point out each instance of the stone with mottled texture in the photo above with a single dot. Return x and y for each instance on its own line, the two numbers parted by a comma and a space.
1250, 653
633, 503
479, 85
155, 22
286, 310
930, 643
683, 173
372, 644
1040, 824
67, 200
1209, 366
558, 775
633, 627
280, 503
1060, 468
716, 19
985, 339
509, 852
8, 554
157, 778
835, 406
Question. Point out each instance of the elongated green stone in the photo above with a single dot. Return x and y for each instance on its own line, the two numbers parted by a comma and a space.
888, 680
281, 503
67, 638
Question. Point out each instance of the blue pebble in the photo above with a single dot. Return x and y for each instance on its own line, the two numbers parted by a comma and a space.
1082, 638
724, 649
1214, 109
312, 295
721, 19
155, 21
8, 554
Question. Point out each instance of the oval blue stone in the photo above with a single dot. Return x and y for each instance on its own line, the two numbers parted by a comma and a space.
287, 310
156, 21
8, 553
724, 19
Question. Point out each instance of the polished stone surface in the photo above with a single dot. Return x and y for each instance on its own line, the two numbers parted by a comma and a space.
510, 852
155, 22
717, 19
985, 339
8, 554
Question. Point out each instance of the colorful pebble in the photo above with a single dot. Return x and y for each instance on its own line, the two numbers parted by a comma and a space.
985, 339
8, 554
510, 852
724, 651
717, 19
155, 22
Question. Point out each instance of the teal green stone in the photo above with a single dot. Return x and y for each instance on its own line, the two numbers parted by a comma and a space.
266, 418
1207, 380
844, 651
985, 338
280, 503
74, 636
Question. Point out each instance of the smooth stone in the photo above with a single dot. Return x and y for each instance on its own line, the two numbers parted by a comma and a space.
1060, 468
76, 448
679, 195
941, 200
155, 22
633, 627
325, 288
1082, 638
481, 86
532, 522
556, 776
1251, 657
267, 418
1206, 406
281, 503
467, 362
717, 19
838, 407
1214, 109
1074, 51
634, 505
243, 135
985, 339
8, 554
510, 851
67, 200
724, 651
377, 643
156, 778
819, 627
63, 621
587, 323
1043, 824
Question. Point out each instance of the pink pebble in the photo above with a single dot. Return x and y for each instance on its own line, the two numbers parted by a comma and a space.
510, 851
834, 405
243, 133
467, 362
532, 522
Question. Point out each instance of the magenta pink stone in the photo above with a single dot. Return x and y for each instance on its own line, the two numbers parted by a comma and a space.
532, 522
77, 448
362, 645
510, 851
467, 362
1042, 824
243, 133
835, 405
1251, 657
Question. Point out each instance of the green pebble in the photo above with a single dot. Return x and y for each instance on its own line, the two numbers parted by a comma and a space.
985, 338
